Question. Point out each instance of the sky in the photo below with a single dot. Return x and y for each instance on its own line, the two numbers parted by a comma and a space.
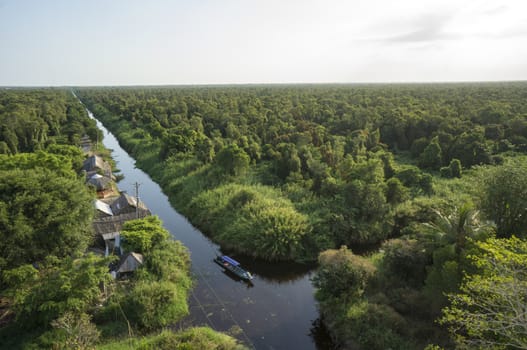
161, 42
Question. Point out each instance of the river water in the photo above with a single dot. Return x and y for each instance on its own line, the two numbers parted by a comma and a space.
276, 311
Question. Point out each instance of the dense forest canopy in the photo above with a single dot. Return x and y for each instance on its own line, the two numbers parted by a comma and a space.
333, 142
417, 175
407, 192
54, 292
31, 119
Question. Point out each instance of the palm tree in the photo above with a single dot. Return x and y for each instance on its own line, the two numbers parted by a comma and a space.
455, 228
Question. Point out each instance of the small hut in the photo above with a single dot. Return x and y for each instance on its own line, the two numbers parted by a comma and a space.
103, 209
126, 204
129, 263
102, 185
96, 164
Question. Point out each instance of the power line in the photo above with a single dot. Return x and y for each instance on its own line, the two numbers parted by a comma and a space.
224, 307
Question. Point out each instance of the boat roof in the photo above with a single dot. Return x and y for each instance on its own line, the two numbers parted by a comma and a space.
230, 260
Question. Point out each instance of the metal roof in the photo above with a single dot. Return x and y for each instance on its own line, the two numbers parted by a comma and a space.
94, 163
104, 207
111, 235
125, 201
100, 183
130, 262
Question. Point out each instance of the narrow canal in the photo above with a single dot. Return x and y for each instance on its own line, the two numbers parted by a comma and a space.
276, 311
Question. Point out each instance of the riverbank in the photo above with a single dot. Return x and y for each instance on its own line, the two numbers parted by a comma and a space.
56, 290
361, 165
278, 312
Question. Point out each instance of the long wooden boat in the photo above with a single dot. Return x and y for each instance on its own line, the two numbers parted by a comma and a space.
232, 265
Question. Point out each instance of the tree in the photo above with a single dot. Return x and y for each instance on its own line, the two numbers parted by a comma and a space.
342, 273
504, 198
387, 161
395, 191
205, 149
489, 311
455, 168
58, 287
155, 304
80, 333
158, 295
288, 160
462, 223
169, 260
470, 148
448, 236
180, 139
233, 160
404, 261
72, 153
42, 214
431, 156
142, 234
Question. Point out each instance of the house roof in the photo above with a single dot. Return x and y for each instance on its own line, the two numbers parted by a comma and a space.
100, 182
111, 235
125, 201
95, 162
112, 223
130, 262
103, 207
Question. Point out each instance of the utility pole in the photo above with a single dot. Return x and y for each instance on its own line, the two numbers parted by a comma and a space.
136, 199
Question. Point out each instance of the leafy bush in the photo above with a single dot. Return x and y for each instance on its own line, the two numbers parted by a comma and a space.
155, 304
58, 287
504, 198
342, 274
41, 214
404, 262
252, 219
142, 234
201, 338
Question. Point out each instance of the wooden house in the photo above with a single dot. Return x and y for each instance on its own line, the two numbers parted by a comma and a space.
101, 184
125, 204
95, 164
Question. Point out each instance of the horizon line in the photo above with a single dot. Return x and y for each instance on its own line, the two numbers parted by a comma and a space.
416, 82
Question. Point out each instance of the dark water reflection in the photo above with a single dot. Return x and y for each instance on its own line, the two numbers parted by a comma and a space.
276, 311
278, 272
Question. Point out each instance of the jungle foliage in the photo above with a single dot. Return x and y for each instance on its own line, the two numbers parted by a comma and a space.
426, 172
327, 149
33, 119
53, 293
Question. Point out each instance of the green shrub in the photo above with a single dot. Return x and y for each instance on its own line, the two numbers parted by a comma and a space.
152, 304
342, 274
445, 171
404, 262
197, 338
255, 220
141, 234
455, 168
395, 191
